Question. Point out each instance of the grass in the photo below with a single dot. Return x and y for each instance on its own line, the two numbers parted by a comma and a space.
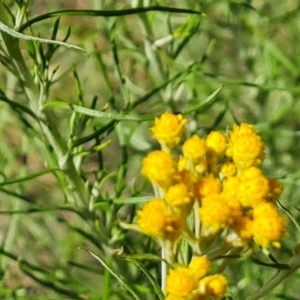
74, 128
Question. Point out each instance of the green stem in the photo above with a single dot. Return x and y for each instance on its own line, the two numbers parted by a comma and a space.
47, 120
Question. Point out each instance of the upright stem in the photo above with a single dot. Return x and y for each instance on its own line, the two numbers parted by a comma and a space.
47, 121
163, 268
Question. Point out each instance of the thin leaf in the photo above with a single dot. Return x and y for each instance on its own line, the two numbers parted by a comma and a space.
28, 177
289, 215
156, 286
96, 113
204, 103
132, 200
107, 13
22, 36
121, 280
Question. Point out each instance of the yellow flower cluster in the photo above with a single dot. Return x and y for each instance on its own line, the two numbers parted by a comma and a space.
193, 283
221, 173
217, 178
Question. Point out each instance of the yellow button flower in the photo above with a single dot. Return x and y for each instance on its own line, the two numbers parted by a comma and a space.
180, 282
155, 219
168, 129
208, 185
152, 218
199, 266
159, 167
228, 169
230, 185
245, 146
268, 226
243, 227
178, 195
253, 188
194, 149
214, 212
214, 285
216, 142
234, 204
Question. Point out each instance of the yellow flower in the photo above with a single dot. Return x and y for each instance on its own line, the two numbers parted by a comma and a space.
180, 282
208, 185
168, 129
239, 130
268, 226
179, 196
243, 227
214, 285
159, 167
253, 187
230, 186
216, 142
246, 147
228, 169
194, 149
214, 212
155, 219
152, 217
199, 266
234, 204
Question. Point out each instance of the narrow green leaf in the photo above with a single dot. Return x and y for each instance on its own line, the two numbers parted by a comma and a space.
28, 177
108, 13
293, 219
132, 200
22, 36
121, 280
96, 113
156, 286
209, 100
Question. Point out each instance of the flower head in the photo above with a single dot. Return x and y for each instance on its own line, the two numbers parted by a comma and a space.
230, 185
155, 219
168, 129
180, 198
180, 282
208, 185
268, 226
194, 149
228, 169
253, 188
245, 146
199, 266
216, 142
160, 168
214, 285
215, 213
152, 217
243, 227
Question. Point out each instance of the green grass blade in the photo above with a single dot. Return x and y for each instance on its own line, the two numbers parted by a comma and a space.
121, 280
157, 290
